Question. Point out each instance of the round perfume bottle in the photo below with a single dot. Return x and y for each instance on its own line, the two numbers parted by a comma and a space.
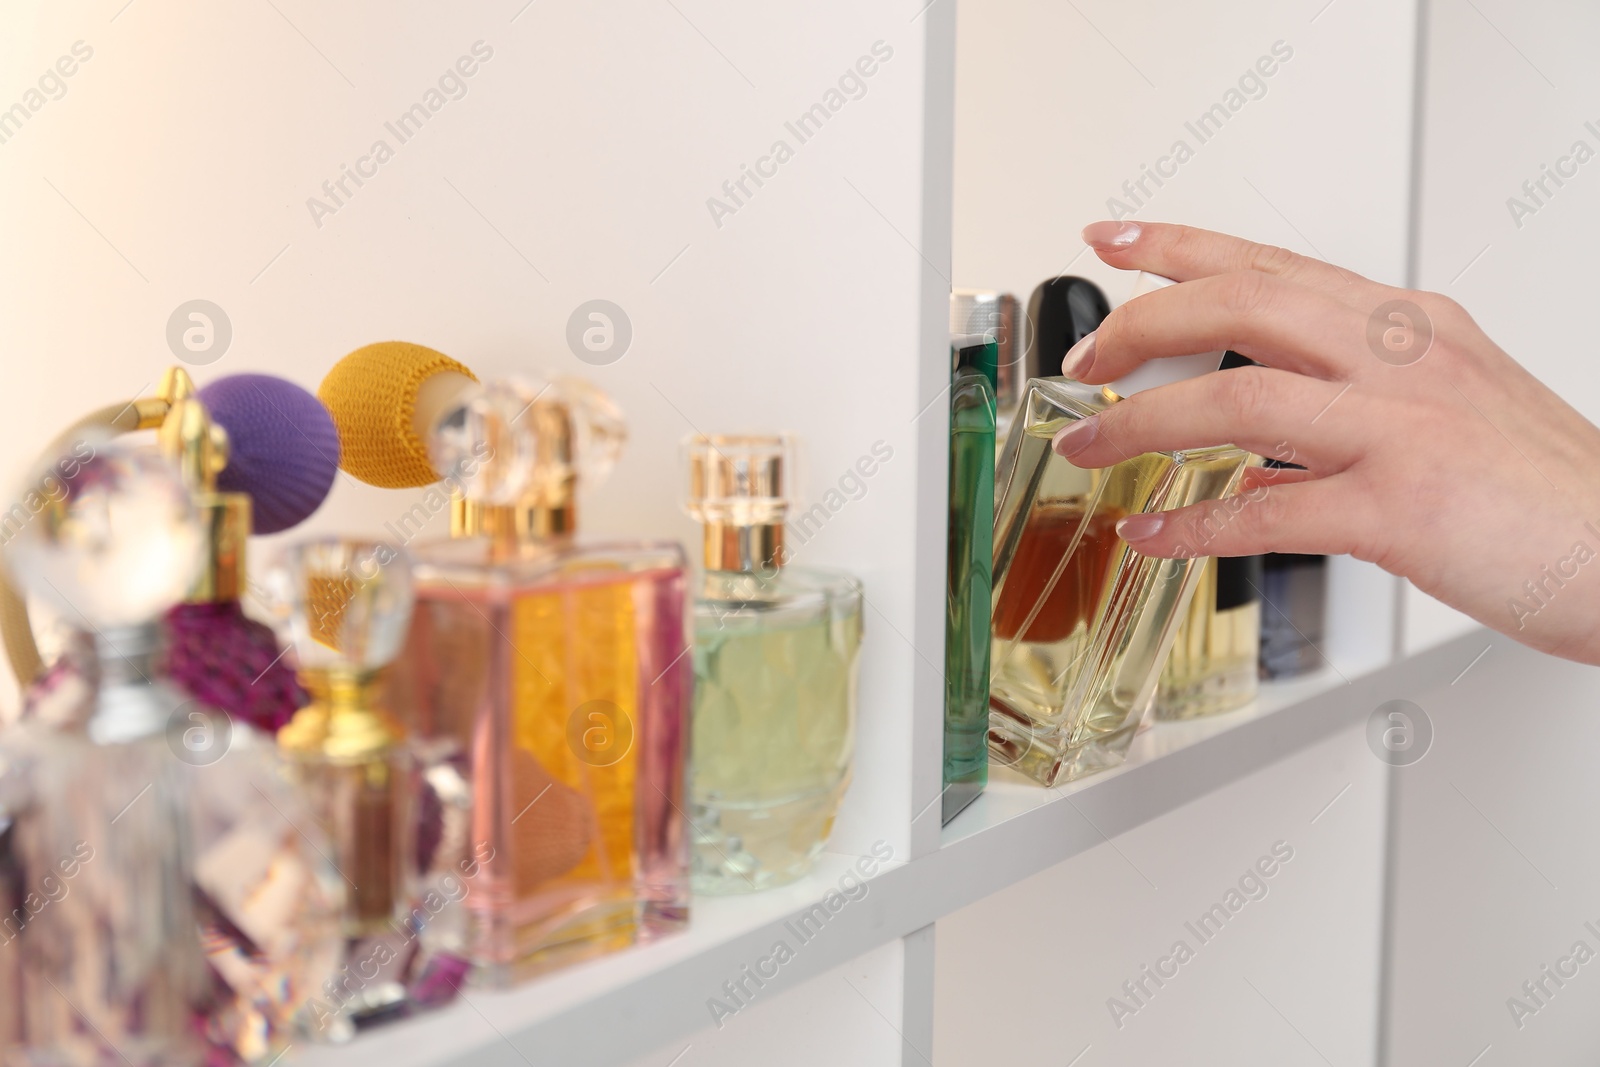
166, 896
776, 652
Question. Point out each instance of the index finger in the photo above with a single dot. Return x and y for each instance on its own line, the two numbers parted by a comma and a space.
1183, 253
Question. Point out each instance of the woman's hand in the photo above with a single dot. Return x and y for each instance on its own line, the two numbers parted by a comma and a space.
1428, 450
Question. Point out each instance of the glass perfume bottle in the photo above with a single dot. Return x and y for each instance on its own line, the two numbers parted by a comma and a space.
978, 315
348, 604
1294, 594
213, 649
1082, 622
1212, 666
553, 670
969, 565
176, 905
776, 659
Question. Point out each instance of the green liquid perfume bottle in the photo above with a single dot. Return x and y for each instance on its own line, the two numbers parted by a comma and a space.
969, 568
776, 653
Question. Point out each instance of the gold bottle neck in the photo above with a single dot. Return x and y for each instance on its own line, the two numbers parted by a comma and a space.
225, 519
345, 722
533, 520
757, 547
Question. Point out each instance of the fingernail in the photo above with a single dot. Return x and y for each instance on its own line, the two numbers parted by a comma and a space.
1071, 440
1141, 527
1079, 358
1110, 235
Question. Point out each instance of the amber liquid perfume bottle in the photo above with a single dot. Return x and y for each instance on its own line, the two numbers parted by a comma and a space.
1212, 666
776, 654
1082, 622
553, 670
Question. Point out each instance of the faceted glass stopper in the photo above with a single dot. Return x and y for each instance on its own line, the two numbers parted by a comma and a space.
108, 534
347, 603
738, 481
514, 439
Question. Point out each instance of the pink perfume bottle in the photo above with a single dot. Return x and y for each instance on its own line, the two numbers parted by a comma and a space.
553, 670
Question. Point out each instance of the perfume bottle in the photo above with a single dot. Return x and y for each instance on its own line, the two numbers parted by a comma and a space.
175, 902
1082, 623
1061, 312
776, 659
213, 649
1212, 667
969, 565
978, 315
1294, 594
554, 671
348, 605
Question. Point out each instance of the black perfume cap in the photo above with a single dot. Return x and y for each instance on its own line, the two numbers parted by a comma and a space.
1239, 581
1061, 312
979, 352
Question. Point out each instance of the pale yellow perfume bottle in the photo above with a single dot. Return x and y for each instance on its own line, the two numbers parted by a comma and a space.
776, 654
1212, 666
1083, 622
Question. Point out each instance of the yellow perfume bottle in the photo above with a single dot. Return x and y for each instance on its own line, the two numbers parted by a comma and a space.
1212, 666
1081, 621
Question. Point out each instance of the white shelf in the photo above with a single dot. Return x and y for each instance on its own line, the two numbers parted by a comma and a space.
628, 1004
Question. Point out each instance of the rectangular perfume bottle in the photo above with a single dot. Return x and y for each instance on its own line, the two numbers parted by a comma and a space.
1294, 610
1081, 622
1212, 665
557, 673
969, 562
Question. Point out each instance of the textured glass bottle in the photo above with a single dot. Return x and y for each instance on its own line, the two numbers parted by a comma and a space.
775, 656
1212, 665
969, 561
1082, 622
167, 887
553, 671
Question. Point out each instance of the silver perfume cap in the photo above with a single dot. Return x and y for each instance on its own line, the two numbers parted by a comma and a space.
993, 316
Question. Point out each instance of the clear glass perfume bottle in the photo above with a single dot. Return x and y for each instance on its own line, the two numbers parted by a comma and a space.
775, 657
176, 904
969, 569
1082, 622
1212, 665
554, 672
349, 603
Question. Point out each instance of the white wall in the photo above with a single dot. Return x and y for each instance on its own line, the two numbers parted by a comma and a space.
1026, 976
1057, 105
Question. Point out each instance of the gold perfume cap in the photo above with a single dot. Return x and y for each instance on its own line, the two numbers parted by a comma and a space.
738, 491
